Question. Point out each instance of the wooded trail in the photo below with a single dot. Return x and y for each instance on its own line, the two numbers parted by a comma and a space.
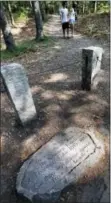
54, 73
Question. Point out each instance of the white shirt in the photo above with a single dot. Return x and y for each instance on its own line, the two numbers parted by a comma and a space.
64, 15
72, 14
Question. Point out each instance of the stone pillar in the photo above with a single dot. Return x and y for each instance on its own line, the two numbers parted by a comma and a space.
2, 86
92, 57
19, 93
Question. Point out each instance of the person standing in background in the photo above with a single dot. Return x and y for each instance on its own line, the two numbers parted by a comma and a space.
64, 19
72, 20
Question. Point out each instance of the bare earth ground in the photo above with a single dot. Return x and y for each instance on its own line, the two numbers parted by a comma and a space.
54, 74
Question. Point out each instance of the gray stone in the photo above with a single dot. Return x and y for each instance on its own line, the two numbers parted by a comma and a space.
59, 163
92, 57
18, 89
2, 86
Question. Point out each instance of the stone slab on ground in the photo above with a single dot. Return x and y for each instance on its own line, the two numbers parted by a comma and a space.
60, 162
18, 89
92, 57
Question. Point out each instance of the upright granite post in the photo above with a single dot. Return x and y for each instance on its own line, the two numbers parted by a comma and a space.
2, 86
92, 57
18, 89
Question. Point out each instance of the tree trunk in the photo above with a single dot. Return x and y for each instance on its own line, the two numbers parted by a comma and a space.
4, 26
95, 6
30, 2
10, 13
38, 19
83, 7
78, 7
42, 8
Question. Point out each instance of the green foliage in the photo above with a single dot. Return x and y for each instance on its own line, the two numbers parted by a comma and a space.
19, 16
22, 13
53, 6
103, 7
89, 6
22, 9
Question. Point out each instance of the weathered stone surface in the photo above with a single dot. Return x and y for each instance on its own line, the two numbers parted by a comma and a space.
2, 86
16, 83
60, 162
92, 57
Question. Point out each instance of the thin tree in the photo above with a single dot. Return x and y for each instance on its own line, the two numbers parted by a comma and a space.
43, 10
83, 7
95, 6
38, 19
6, 30
10, 13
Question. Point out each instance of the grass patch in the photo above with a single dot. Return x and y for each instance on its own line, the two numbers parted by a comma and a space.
26, 47
23, 47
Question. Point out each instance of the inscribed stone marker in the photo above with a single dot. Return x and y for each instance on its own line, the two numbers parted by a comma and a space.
63, 160
92, 57
16, 83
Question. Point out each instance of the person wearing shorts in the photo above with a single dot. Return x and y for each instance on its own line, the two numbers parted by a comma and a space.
72, 20
64, 20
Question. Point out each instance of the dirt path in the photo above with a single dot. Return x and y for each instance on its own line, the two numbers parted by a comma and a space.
54, 74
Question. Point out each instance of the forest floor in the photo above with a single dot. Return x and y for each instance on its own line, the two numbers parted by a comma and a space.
54, 73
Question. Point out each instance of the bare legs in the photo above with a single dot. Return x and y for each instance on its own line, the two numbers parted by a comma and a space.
72, 29
64, 33
67, 32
